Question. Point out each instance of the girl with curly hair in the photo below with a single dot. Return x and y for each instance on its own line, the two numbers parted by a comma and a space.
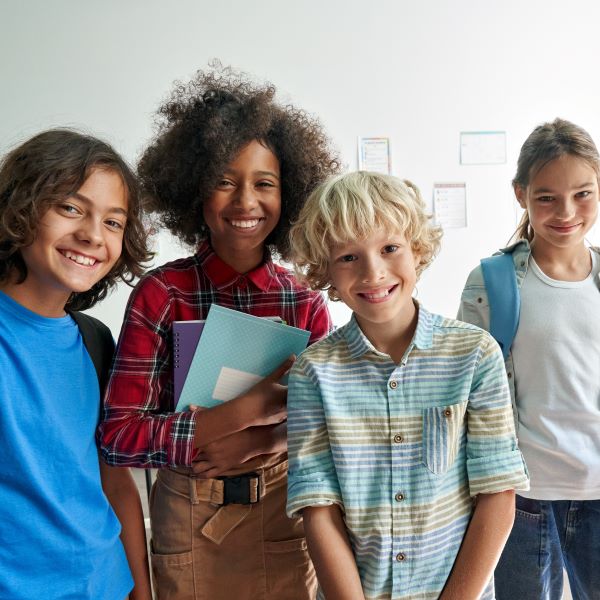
228, 171
69, 229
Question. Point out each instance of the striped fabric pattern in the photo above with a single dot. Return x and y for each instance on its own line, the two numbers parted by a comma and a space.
402, 448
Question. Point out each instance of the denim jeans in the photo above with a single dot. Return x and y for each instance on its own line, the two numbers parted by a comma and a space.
547, 536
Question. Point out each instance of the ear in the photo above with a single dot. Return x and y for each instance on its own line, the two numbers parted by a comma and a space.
521, 194
332, 294
416, 257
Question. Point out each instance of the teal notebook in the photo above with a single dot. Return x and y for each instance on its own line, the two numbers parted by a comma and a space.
235, 351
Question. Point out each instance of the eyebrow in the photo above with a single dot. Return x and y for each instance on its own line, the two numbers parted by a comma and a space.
260, 173
549, 191
114, 209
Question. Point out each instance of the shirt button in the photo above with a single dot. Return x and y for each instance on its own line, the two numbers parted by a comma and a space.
393, 384
448, 413
399, 497
398, 438
400, 557
480, 300
509, 375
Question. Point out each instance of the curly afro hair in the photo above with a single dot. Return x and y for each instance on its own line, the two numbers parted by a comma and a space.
202, 128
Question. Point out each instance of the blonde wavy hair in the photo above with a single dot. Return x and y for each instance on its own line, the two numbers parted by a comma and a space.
354, 206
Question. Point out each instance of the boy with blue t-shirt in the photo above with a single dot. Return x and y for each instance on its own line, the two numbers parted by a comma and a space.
403, 457
69, 228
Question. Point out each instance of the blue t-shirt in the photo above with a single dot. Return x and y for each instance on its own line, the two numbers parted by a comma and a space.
59, 537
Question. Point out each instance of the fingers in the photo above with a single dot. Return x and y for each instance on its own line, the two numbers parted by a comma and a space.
201, 466
283, 368
206, 470
211, 473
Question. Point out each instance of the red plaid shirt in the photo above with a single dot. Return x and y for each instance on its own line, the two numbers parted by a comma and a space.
140, 427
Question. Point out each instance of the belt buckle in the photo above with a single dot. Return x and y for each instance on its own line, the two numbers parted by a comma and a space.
236, 489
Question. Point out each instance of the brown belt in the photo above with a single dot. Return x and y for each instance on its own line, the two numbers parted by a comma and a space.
223, 491
234, 495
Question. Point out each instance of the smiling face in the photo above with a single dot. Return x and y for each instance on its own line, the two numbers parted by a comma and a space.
376, 278
245, 207
562, 203
77, 243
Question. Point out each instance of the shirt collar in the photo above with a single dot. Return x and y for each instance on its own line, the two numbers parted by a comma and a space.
518, 246
222, 275
520, 251
359, 344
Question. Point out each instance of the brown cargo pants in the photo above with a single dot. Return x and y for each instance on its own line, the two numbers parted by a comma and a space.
202, 550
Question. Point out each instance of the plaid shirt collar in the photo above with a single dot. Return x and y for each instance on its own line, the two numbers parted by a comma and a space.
359, 344
222, 276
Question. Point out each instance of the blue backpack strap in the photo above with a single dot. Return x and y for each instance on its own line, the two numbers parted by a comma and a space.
503, 294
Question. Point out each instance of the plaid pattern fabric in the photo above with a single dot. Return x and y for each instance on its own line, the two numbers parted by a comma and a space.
140, 427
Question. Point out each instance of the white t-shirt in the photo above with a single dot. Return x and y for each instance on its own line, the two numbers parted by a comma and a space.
556, 356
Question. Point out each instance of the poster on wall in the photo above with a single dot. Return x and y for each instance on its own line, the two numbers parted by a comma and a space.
374, 154
450, 204
482, 147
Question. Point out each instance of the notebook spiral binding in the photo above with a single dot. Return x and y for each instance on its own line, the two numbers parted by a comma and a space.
176, 350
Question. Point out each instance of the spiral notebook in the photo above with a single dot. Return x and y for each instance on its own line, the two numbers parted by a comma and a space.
186, 335
235, 351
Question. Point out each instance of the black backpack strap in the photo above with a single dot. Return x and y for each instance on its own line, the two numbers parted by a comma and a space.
99, 343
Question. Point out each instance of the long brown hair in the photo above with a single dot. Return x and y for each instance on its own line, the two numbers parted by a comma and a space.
46, 169
546, 143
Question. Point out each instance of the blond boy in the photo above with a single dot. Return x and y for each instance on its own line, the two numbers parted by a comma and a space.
403, 457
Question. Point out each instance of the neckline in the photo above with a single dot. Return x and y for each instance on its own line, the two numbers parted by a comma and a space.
560, 283
24, 314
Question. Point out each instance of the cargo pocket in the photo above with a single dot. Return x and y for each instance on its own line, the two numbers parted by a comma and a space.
442, 430
290, 573
173, 576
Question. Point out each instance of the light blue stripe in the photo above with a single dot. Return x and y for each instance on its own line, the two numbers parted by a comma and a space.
342, 418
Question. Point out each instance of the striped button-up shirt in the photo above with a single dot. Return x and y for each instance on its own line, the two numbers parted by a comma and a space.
402, 448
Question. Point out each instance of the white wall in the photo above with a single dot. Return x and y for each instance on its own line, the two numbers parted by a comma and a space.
418, 72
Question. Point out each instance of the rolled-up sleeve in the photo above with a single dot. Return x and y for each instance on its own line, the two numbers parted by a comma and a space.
312, 479
494, 461
140, 427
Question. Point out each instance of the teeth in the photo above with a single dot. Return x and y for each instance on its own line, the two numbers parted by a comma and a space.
79, 259
246, 224
382, 294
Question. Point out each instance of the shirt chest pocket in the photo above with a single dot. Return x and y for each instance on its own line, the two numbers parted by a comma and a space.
442, 431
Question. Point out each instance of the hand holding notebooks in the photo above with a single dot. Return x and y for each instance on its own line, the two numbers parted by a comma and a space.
235, 351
